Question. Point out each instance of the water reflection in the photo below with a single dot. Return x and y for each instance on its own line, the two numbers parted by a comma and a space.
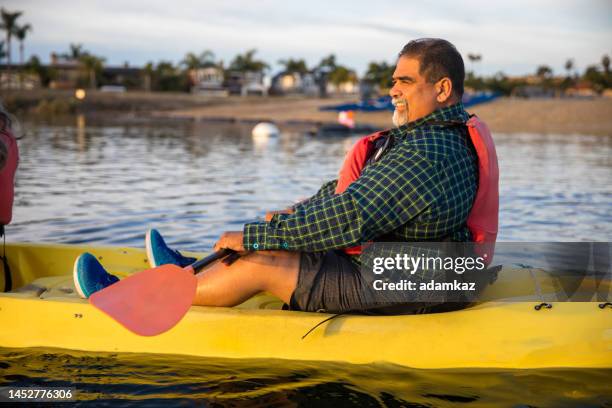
83, 182
105, 379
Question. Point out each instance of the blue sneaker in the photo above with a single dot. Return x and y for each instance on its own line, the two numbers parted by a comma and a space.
160, 254
89, 275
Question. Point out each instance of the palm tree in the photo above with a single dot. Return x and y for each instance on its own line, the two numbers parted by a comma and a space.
20, 33
342, 74
544, 72
329, 70
2, 52
148, 71
336, 73
247, 62
191, 61
9, 21
473, 59
605, 61
323, 70
379, 74
92, 65
294, 65
567, 81
45, 74
76, 52
204, 60
207, 59
328, 62
569, 65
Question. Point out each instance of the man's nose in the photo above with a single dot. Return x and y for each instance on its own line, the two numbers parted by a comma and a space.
394, 92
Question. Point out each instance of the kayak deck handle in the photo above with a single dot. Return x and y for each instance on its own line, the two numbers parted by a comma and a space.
541, 305
603, 305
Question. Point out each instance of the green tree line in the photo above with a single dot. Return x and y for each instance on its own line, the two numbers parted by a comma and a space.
167, 76
595, 76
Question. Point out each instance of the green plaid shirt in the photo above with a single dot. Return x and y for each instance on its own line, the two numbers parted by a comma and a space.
422, 189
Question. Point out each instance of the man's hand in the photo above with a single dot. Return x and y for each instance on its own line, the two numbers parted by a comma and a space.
289, 210
271, 214
230, 240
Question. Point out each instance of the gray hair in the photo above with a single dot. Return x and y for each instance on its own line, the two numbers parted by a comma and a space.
438, 58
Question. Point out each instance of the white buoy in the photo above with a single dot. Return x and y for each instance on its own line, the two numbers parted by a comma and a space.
263, 130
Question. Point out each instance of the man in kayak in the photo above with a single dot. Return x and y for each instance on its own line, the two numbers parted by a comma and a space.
421, 189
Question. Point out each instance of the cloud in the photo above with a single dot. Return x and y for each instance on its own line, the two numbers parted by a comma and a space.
511, 36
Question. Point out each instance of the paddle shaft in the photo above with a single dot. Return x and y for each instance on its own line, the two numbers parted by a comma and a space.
222, 253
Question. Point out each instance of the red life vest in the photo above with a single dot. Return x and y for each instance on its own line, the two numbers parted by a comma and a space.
7, 175
482, 220
356, 160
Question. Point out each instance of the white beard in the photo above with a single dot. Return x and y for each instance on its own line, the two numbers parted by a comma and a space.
400, 118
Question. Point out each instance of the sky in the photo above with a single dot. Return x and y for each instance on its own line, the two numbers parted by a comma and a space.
512, 36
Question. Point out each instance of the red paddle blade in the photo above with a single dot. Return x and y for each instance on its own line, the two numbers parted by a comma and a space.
149, 302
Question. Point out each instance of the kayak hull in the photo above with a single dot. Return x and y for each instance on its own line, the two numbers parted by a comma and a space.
44, 311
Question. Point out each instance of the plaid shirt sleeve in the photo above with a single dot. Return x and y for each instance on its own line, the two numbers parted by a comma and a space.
326, 190
388, 194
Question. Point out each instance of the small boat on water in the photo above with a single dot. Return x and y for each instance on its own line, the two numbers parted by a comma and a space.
384, 103
341, 130
509, 328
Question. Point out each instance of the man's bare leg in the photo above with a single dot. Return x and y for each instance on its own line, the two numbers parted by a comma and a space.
271, 271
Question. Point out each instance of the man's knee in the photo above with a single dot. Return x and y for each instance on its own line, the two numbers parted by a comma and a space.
275, 272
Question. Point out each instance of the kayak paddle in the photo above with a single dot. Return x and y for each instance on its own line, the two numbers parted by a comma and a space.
155, 300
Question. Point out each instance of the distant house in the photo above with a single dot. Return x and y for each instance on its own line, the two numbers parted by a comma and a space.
17, 79
288, 83
70, 74
530, 79
368, 90
66, 72
207, 81
583, 89
246, 83
533, 91
126, 76
349, 87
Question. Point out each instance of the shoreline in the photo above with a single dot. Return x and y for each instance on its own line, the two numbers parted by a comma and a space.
503, 115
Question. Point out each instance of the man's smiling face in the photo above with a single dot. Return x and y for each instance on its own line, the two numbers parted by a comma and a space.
413, 96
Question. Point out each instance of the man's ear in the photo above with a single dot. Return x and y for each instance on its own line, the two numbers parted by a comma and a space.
444, 89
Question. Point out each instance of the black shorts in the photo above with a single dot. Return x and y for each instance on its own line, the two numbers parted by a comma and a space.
331, 282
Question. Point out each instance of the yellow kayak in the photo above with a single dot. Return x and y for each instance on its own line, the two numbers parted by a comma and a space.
43, 310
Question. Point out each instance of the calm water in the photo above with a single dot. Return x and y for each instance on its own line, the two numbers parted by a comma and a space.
106, 184
82, 183
126, 379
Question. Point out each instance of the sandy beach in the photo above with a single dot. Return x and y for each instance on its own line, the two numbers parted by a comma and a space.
508, 115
